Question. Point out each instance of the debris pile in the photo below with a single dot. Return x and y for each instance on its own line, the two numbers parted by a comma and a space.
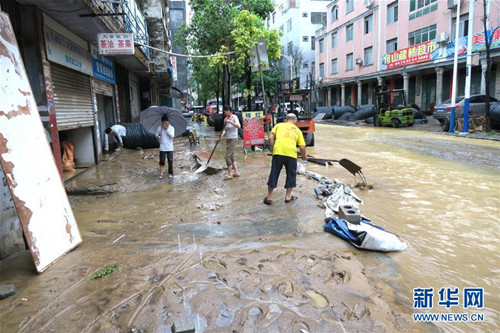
344, 219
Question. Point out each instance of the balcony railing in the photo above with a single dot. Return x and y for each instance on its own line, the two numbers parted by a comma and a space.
123, 16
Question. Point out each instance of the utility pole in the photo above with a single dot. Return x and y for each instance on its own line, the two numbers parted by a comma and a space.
469, 67
455, 71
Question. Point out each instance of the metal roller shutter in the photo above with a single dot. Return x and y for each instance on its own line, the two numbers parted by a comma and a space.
72, 98
103, 88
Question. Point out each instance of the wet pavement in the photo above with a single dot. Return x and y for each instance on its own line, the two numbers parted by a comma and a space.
200, 252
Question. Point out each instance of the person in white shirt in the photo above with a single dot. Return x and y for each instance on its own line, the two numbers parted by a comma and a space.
117, 132
165, 135
231, 125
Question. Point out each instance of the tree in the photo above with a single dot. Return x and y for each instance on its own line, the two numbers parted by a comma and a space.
203, 36
298, 59
210, 31
487, 41
248, 29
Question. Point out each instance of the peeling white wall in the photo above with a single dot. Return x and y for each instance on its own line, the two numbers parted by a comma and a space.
11, 232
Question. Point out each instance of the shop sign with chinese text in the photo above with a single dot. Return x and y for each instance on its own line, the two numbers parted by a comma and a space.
103, 66
253, 128
410, 55
479, 42
116, 43
66, 53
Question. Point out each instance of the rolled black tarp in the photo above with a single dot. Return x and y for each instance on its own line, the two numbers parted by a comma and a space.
365, 111
138, 136
327, 110
341, 110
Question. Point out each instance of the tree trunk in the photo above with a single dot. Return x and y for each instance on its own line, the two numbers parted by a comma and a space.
229, 99
217, 90
223, 85
248, 71
487, 74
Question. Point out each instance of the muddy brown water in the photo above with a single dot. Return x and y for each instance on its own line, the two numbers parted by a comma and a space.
201, 252
441, 194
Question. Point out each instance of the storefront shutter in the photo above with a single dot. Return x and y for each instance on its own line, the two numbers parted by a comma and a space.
103, 88
72, 98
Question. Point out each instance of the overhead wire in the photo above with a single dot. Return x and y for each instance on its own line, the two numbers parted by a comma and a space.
185, 55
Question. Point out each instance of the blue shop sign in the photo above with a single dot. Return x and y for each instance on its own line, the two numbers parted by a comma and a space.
103, 66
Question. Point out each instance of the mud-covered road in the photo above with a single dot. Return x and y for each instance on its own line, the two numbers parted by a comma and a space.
200, 252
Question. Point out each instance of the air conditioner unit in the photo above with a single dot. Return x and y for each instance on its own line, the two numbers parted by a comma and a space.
442, 37
368, 3
452, 4
359, 61
320, 79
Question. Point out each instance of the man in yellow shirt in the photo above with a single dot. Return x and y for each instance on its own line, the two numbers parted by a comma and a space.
283, 142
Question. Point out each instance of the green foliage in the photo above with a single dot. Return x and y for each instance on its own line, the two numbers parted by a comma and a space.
248, 28
219, 26
106, 271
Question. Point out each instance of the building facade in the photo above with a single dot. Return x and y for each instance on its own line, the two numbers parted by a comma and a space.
180, 82
298, 20
79, 92
401, 45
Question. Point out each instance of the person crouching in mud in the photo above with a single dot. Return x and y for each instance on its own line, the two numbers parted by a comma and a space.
283, 142
165, 135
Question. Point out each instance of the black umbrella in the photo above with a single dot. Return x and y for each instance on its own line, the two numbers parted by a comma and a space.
151, 119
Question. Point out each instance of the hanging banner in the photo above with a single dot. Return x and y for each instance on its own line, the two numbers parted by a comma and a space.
116, 43
409, 55
479, 42
253, 128
103, 66
173, 61
66, 53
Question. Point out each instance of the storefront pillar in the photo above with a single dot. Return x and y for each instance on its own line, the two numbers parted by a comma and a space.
342, 94
406, 84
329, 96
439, 85
483, 76
360, 90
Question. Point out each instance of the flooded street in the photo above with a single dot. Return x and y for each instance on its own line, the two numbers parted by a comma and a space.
202, 253
441, 194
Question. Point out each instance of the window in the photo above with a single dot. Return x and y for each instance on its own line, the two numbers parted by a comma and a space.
463, 28
305, 65
290, 47
349, 30
349, 4
322, 69
368, 24
321, 45
392, 12
282, 28
417, 4
318, 18
305, 38
313, 43
368, 56
349, 64
334, 40
305, 14
313, 68
274, 16
391, 45
335, 13
289, 25
422, 35
334, 66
